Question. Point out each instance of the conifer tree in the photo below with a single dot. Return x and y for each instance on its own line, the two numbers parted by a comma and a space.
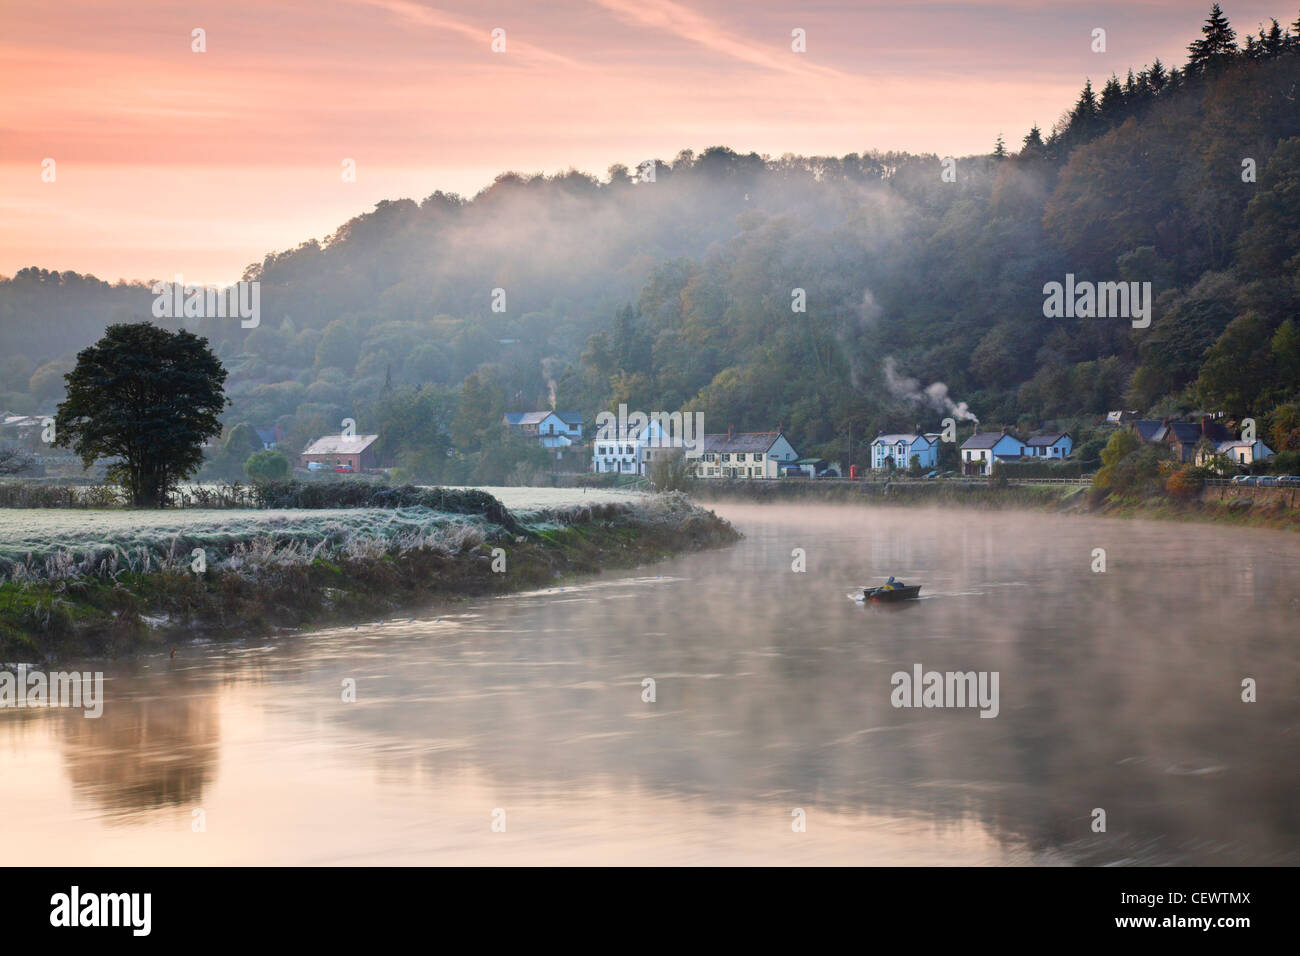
1033, 141
1083, 119
1111, 107
1218, 41
1275, 40
1157, 78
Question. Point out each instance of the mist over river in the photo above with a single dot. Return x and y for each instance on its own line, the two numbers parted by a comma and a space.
1119, 690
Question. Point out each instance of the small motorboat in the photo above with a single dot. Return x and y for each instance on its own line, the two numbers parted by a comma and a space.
891, 592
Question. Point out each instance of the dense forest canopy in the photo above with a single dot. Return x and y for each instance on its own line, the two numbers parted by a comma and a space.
924, 296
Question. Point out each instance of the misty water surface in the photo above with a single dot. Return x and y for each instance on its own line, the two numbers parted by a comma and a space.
1119, 691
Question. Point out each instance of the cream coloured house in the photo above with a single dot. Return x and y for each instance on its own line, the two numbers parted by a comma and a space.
744, 455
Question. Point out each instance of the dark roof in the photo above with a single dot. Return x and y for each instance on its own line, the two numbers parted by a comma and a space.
536, 418
1146, 428
894, 439
266, 434
741, 442
1046, 439
987, 439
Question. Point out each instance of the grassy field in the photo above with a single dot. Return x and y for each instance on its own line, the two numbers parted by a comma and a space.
94, 583
56, 543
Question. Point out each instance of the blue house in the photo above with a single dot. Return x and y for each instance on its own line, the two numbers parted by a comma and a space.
981, 450
1049, 446
896, 450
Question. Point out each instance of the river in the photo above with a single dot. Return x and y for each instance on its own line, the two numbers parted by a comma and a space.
517, 729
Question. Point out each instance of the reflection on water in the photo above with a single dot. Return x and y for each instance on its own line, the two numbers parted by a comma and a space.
1119, 690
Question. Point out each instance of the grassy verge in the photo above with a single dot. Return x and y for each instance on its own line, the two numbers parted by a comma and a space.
95, 616
967, 494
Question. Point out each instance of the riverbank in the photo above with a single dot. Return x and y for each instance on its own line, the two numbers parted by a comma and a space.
303, 569
1245, 506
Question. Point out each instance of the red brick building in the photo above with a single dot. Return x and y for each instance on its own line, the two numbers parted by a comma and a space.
332, 451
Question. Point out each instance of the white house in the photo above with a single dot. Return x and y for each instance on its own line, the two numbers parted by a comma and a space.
552, 429
744, 455
981, 450
898, 449
1049, 446
632, 451
1240, 452
620, 453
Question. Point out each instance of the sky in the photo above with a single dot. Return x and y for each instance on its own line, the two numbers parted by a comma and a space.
169, 161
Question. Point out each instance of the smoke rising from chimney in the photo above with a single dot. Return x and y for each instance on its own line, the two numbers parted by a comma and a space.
934, 395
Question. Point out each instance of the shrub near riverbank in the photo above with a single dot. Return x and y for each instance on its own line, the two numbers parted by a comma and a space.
59, 607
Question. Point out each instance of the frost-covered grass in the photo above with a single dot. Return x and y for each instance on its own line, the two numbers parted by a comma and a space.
54, 545
57, 544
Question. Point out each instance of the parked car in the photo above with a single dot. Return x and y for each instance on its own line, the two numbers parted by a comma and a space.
1269, 480
343, 469
1241, 479
316, 466
931, 474
1288, 479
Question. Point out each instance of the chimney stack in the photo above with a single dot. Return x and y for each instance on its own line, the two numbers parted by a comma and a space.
730, 431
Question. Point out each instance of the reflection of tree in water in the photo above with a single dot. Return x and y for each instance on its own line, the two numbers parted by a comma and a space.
145, 752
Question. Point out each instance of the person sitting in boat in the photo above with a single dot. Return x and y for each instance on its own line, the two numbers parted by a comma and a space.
891, 584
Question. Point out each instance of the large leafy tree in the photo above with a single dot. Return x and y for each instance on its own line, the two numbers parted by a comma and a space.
146, 399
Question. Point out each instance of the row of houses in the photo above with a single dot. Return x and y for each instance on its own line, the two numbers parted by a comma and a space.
771, 455
983, 450
1198, 442
979, 453
722, 455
